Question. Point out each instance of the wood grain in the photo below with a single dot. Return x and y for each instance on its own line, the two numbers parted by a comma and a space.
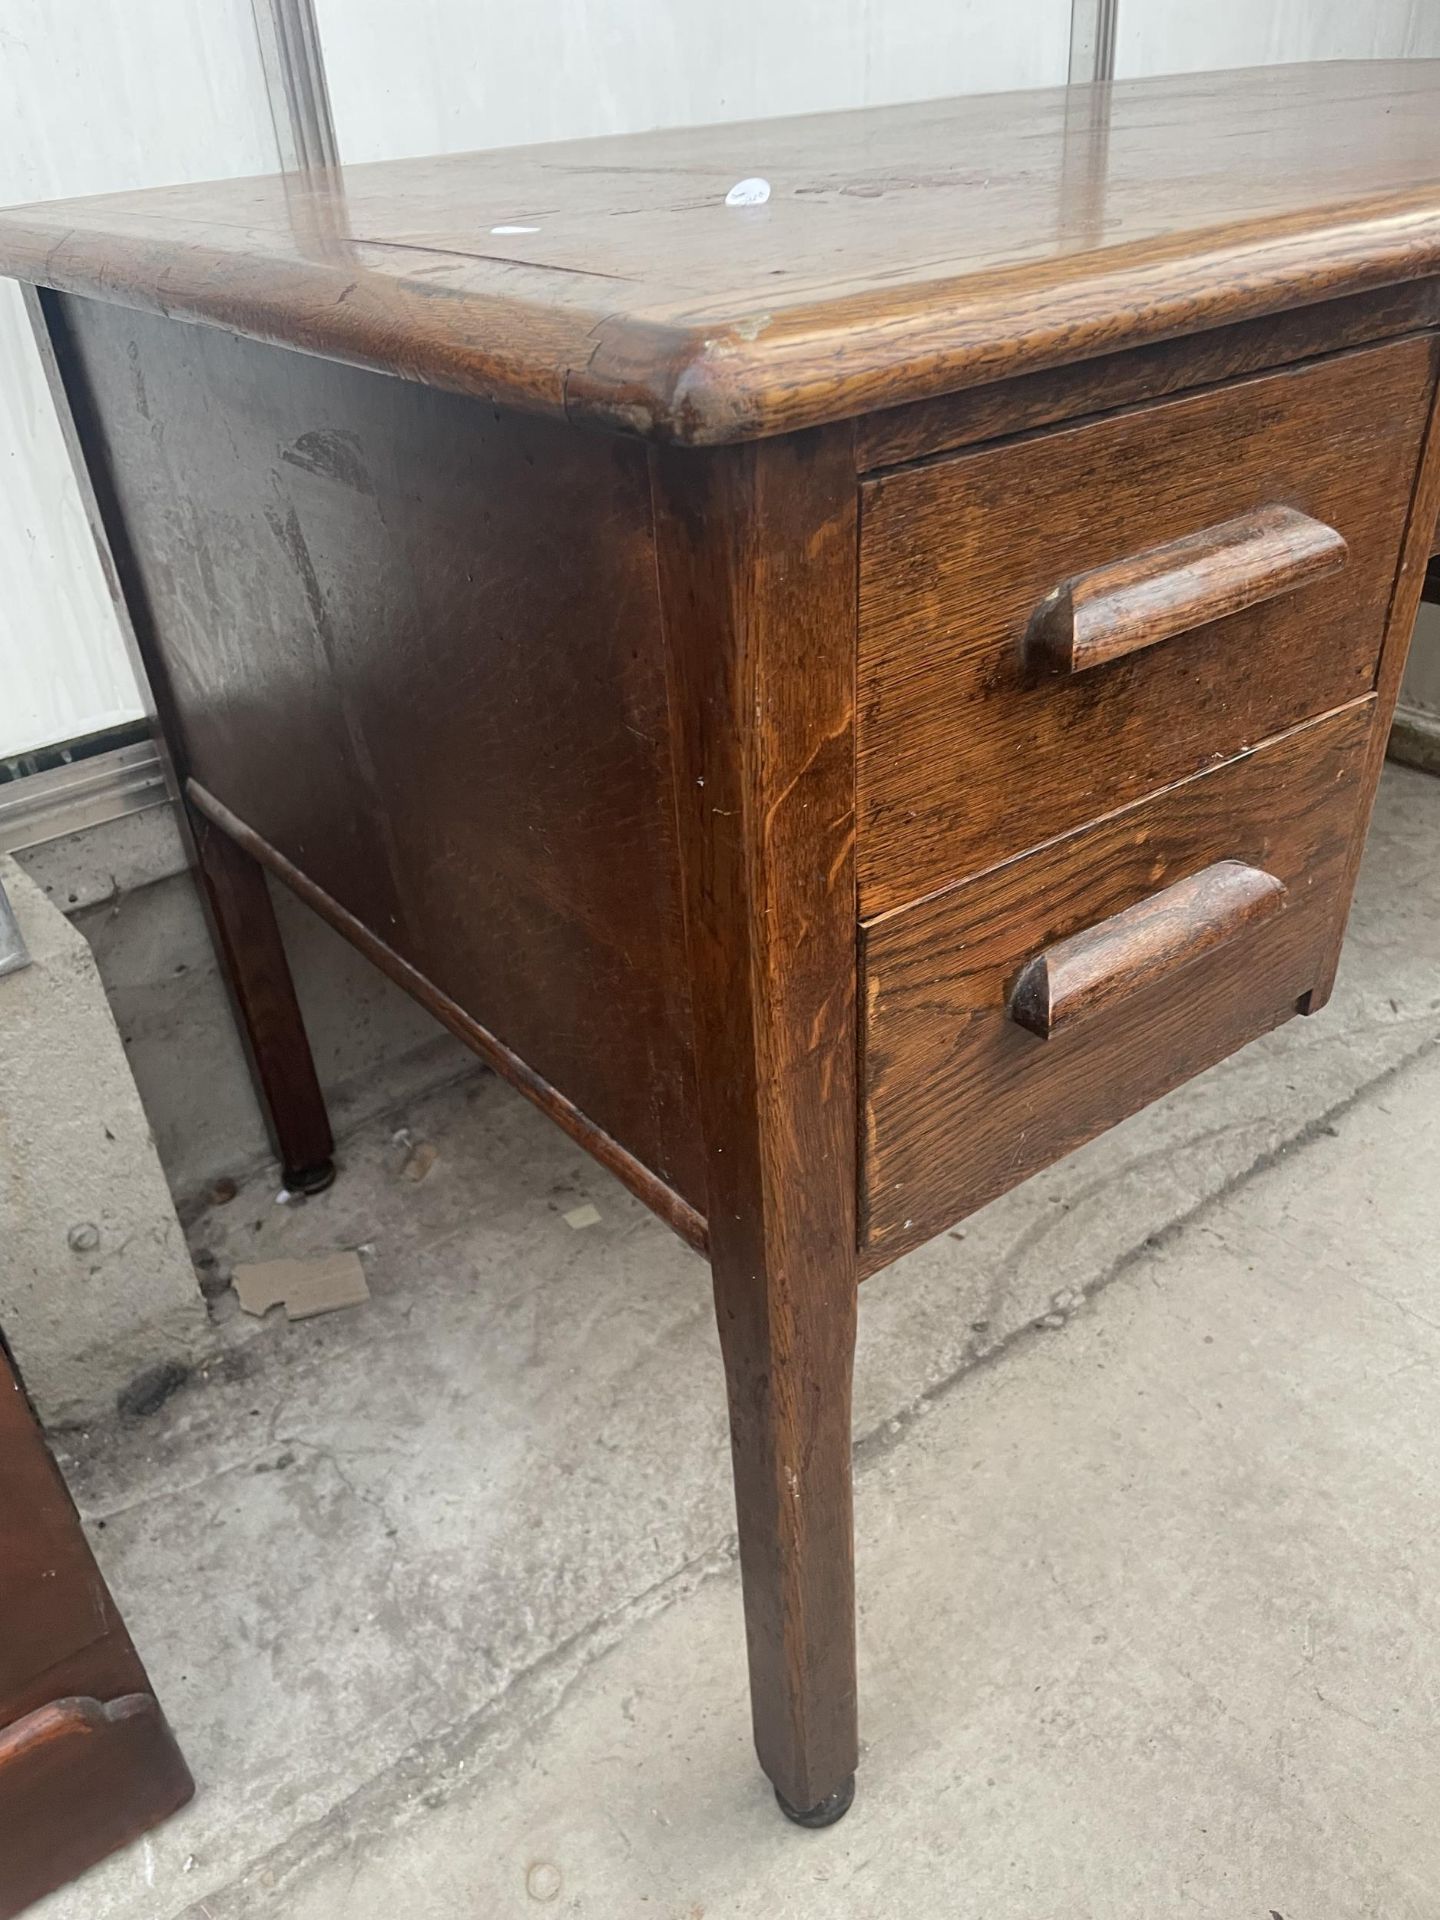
964, 760
257, 973
1144, 945
757, 571
80, 1778
53, 1602
663, 1200
1134, 603
1162, 370
414, 645
905, 252
59, 1630
960, 1103
1423, 516
77, 1779
604, 752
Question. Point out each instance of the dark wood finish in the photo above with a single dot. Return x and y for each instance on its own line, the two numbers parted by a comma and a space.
78, 1777
1141, 946
757, 574
1399, 630
940, 1047
965, 759
414, 647
1162, 371
610, 755
78, 1780
1131, 604
249, 847
904, 252
247, 935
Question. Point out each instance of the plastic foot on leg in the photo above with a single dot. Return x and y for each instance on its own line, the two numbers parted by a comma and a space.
833, 1807
310, 1180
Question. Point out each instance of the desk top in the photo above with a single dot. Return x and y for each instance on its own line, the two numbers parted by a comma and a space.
902, 251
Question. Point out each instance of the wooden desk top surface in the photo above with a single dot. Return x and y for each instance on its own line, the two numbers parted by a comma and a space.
903, 251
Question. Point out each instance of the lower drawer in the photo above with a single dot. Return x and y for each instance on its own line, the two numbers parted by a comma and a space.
1011, 1018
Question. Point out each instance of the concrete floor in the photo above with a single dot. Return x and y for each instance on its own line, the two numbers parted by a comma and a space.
441, 1596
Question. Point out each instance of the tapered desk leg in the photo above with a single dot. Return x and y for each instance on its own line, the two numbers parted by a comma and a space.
788, 1348
757, 566
252, 958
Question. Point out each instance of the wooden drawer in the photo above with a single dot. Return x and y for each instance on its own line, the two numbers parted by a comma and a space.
963, 1098
981, 733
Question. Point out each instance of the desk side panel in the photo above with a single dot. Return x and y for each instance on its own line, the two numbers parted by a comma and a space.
413, 643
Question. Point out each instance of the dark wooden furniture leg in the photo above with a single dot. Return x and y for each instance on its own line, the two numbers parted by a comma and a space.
756, 548
247, 938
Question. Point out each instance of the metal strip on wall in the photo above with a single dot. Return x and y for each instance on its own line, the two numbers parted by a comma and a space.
294, 65
1092, 40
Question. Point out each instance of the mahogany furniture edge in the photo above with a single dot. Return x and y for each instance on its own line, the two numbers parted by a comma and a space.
722, 385
1131, 376
644, 1184
704, 384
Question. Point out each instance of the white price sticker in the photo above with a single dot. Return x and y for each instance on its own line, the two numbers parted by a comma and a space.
748, 193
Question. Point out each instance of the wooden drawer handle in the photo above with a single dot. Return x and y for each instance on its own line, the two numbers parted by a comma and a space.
1147, 942
1117, 609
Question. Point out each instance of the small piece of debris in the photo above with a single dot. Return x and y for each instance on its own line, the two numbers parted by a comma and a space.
419, 1160
321, 1284
83, 1237
1051, 1320
586, 1216
221, 1192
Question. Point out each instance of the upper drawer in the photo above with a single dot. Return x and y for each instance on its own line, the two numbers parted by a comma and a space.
976, 743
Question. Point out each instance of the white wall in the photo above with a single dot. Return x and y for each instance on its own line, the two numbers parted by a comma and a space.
1183, 36
450, 75
95, 96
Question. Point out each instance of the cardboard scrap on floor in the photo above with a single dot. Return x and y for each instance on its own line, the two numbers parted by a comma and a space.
320, 1284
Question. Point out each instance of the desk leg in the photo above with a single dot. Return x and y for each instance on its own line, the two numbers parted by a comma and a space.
252, 958
756, 547
789, 1354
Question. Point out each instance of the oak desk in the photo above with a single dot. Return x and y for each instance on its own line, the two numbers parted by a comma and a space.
838, 698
